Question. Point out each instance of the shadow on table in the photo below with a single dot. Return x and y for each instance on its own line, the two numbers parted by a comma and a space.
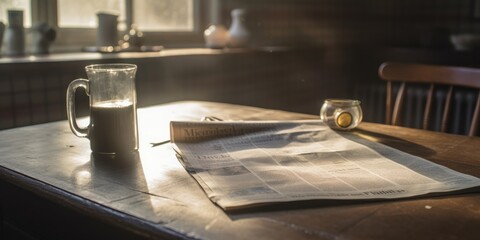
122, 170
394, 142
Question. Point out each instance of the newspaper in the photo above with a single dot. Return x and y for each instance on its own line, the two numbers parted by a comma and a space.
240, 164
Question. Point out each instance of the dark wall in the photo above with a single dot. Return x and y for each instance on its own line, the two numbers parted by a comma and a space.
296, 80
392, 23
290, 79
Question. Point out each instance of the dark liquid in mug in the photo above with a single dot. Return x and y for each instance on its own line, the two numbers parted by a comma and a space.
113, 127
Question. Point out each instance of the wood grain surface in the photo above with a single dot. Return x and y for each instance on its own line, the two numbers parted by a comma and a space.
150, 195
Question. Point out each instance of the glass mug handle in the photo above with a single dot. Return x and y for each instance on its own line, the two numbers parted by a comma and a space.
72, 119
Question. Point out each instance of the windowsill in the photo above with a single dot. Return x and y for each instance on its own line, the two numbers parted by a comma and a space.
82, 56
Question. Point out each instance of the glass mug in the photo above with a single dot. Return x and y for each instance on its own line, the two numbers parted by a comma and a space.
113, 108
341, 114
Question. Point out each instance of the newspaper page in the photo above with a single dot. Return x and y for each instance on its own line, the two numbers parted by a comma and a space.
240, 164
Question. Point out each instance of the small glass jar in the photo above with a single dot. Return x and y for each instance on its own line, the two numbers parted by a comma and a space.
341, 114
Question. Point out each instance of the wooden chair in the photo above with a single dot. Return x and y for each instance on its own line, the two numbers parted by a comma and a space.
433, 75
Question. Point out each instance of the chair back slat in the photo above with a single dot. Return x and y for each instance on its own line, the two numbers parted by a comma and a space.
446, 110
476, 118
408, 73
398, 104
388, 112
428, 106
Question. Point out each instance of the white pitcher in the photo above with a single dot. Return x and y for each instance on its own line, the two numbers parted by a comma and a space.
239, 36
14, 38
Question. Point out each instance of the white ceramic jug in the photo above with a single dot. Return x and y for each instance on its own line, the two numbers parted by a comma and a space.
239, 35
14, 38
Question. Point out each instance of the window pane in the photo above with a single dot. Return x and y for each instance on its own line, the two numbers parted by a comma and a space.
163, 15
24, 5
83, 14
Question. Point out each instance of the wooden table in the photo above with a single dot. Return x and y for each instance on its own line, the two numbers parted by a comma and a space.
52, 187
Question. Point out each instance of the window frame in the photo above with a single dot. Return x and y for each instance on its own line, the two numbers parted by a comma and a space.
74, 39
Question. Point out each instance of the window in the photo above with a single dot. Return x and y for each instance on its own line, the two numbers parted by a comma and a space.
24, 5
171, 23
148, 15
166, 15
82, 14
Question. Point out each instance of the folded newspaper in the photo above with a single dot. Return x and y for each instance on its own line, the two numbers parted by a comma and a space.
242, 164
